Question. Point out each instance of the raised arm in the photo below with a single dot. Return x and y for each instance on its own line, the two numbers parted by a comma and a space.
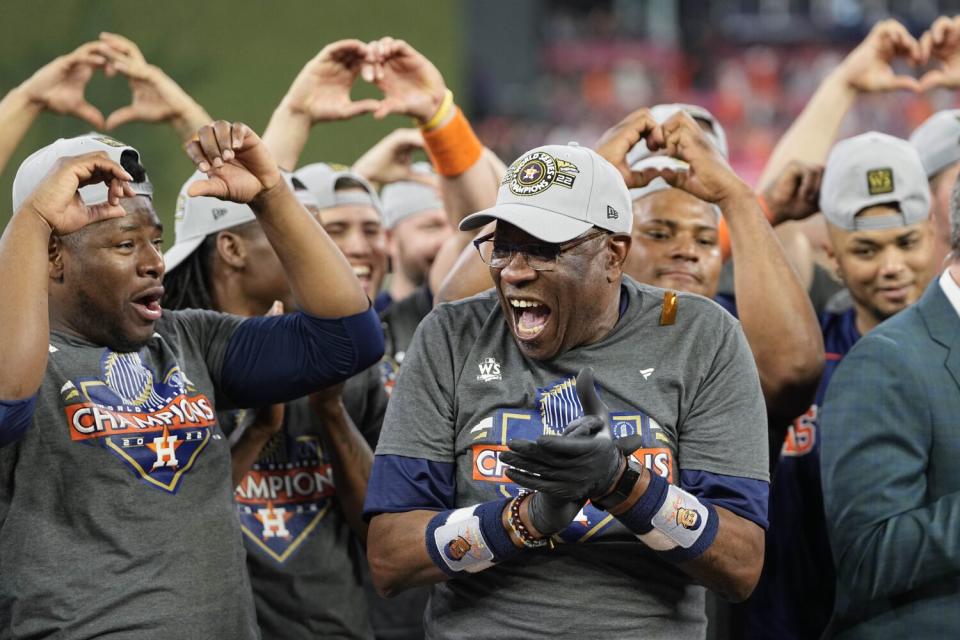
771, 301
941, 46
54, 208
57, 87
240, 168
390, 160
470, 173
319, 93
866, 69
155, 96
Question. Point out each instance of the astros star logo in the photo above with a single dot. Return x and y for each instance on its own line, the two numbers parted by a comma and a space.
274, 521
537, 171
166, 449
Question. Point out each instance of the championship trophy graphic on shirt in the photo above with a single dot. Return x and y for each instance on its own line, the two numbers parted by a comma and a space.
157, 425
558, 404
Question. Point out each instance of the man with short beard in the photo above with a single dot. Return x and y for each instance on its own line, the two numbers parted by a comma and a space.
115, 494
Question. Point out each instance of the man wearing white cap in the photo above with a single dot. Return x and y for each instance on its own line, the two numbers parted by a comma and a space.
891, 483
876, 201
351, 214
496, 376
304, 464
115, 495
937, 141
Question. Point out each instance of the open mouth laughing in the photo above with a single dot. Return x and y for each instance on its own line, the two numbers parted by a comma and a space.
530, 317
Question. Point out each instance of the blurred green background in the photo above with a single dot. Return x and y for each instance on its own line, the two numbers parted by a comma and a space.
235, 58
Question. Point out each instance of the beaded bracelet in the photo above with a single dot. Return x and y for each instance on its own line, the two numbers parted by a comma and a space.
518, 528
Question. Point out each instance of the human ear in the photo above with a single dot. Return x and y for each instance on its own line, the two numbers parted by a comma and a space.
231, 249
55, 250
618, 246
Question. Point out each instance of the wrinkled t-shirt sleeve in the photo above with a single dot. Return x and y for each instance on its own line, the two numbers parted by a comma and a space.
725, 430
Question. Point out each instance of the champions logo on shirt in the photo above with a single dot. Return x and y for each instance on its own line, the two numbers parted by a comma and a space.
156, 426
281, 503
557, 405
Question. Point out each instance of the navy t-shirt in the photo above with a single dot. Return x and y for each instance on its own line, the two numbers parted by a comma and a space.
794, 598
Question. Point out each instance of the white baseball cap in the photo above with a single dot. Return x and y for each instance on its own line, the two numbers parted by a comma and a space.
196, 217
871, 169
937, 141
322, 179
38, 165
558, 192
663, 112
405, 198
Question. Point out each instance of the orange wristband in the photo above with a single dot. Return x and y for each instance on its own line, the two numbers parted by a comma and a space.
454, 147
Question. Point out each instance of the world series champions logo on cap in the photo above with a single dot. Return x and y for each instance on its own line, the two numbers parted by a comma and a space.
880, 181
536, 172
107, 140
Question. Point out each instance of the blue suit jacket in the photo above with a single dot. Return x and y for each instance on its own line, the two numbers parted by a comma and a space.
890, 461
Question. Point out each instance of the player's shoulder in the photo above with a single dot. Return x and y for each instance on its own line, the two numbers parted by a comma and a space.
667, 307
475, 309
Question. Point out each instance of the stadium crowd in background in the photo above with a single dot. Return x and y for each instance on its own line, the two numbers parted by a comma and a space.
612, 389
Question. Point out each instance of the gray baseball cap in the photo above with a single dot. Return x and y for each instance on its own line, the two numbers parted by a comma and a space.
937, 141
39, 164
322, 180
557, 192
406, 198
871, 169
662, 112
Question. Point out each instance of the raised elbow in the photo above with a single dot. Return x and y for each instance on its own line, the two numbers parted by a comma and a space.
742, 587
741, 580
789, 385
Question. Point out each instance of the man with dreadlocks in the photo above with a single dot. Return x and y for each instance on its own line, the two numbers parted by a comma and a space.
300, 469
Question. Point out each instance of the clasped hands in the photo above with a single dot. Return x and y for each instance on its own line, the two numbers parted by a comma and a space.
566, 470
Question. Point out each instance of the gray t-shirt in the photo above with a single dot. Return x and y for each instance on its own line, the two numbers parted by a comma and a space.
304, 564
688, 391
116, 510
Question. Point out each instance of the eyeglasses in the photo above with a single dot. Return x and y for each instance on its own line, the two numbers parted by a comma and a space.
539, 256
